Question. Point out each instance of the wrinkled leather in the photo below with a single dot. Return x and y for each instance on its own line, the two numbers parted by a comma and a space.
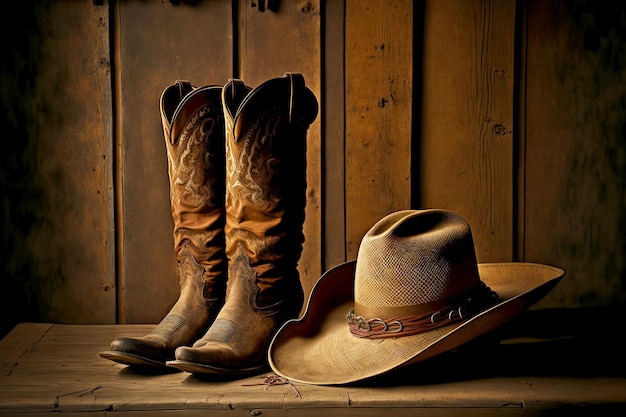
266, 131
193, 127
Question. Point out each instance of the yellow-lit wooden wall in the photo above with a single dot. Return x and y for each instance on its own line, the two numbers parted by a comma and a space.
511, 113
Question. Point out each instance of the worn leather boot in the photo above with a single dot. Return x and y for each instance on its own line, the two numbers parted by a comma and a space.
193, 125
266, 132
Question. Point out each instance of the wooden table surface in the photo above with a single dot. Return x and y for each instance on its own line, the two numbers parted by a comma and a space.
49, 368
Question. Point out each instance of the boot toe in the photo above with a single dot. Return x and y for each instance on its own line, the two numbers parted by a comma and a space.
218, 360
138, 352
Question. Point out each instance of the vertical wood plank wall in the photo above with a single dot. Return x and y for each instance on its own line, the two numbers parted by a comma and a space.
334, 143
520, 131
467, 136
379, 91
58, 243
159, 43
75, 244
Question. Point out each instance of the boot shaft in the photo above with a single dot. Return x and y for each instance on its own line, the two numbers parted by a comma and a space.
193, 126
266, 131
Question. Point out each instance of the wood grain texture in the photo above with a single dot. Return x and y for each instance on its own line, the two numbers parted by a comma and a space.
466, 160
56, 369
378, 94
71, 240
159, 43
273, 43
334, 137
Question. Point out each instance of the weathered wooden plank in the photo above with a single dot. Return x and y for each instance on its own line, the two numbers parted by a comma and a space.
343, 412
157, 43
467, 120
575, 174
289, 40
378, 66
334, 214
23, 336
69, 241
57, 370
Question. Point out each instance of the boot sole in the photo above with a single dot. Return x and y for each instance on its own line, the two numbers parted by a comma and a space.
132, 360
198, 368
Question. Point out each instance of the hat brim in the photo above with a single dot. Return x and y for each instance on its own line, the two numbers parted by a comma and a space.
319, 349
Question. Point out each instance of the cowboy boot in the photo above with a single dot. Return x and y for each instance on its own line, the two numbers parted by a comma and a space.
266, 132
195, 142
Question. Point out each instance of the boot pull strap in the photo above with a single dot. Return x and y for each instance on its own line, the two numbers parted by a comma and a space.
237, 86
296, 83
182, 91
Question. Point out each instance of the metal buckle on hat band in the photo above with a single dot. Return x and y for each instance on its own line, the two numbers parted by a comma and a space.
377, 324
455, 314
477, 300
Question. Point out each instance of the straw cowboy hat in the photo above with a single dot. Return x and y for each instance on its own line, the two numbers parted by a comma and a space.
414, 291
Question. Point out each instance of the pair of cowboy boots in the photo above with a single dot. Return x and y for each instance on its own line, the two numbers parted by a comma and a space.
237, 170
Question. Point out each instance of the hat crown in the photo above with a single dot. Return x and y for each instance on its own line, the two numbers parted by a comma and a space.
412, 258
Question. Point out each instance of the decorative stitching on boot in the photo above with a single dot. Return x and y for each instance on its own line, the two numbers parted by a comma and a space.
241, 266
196, 185
255, 166
189, 265
170, 324
222, 330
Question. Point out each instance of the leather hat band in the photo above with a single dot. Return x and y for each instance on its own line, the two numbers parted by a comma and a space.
474, 301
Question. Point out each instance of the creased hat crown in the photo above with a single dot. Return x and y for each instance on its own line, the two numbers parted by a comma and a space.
411, 259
